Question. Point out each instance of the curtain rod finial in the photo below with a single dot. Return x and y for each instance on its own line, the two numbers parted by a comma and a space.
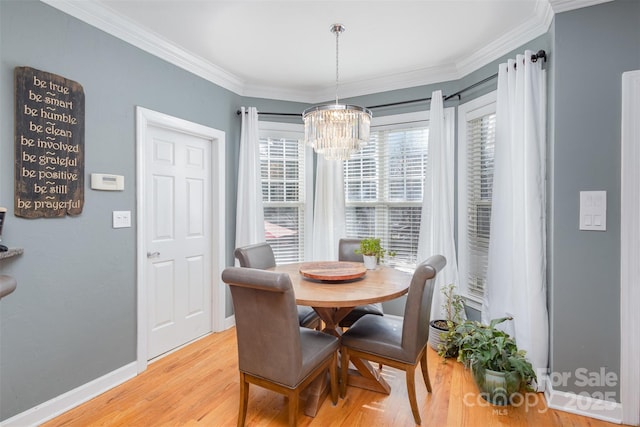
540, 54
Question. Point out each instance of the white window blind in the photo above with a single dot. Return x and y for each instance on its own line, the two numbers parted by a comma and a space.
480, 148
477, 124
384, 185
284, 194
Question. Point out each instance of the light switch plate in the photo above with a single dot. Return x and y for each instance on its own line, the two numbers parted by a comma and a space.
593, 210
121, 219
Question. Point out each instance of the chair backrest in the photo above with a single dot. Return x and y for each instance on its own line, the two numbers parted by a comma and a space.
417, 310
269, 344
259, 255
346, 248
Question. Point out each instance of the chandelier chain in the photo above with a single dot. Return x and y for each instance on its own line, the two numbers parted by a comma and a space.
337, 60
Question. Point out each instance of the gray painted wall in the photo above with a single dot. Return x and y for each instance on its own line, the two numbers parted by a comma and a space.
593, 47
73, 317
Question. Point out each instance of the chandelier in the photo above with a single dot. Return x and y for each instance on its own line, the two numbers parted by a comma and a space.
336, 130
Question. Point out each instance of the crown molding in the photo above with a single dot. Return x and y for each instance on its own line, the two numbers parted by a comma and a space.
509, 41
491, 52
103, 18
560, 6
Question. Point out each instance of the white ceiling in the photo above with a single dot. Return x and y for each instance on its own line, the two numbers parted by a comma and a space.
285, 50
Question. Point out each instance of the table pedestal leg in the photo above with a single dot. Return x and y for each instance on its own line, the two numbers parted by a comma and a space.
367, 377
332, 317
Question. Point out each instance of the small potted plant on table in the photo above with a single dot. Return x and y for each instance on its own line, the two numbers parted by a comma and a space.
372, 252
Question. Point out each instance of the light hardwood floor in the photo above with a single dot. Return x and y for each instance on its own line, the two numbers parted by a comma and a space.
198, 386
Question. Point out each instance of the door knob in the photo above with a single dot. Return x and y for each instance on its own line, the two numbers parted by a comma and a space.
153, 254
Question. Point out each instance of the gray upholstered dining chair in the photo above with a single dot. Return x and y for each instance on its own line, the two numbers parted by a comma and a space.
346, 252
260, 255
277, 354
400, 344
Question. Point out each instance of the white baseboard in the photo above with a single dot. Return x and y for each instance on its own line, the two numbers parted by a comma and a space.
229, 322
583, 405
541, 386
60, 404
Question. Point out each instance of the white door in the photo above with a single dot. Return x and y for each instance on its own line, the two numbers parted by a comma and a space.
630, 249
178, 238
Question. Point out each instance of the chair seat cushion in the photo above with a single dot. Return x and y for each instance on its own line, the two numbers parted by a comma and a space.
307, 316
379, 336
316, 346
360, 311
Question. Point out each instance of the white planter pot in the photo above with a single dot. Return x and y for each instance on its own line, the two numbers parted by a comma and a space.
370, 262
434, 335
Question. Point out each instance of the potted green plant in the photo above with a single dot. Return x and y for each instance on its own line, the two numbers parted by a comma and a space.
453, 307
499, 368
372, 252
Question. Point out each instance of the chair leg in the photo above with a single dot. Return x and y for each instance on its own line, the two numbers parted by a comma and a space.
425, 369
344, 370
333, 378
244, 400
293, 408
411, 390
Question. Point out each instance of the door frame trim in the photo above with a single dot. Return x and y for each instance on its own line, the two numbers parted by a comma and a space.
144, 119
630, 248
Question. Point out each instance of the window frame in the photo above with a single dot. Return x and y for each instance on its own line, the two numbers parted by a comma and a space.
277, 130
468, 111
396, 121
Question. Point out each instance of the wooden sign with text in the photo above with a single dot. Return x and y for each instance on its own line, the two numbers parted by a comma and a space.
49, 145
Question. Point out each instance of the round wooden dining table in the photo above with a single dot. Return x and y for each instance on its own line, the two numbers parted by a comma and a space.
332, 290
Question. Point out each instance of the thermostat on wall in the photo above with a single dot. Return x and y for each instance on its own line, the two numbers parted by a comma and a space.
103, 181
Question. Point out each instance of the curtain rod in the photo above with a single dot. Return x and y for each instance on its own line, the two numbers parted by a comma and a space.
541, 54
534, 58
260, 113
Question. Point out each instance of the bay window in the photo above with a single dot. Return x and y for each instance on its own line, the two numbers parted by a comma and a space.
384, 184
286, 167
476, 141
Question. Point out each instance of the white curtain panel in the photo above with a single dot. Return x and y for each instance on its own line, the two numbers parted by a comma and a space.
249, 212
329, 223
436, 222
516, 280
